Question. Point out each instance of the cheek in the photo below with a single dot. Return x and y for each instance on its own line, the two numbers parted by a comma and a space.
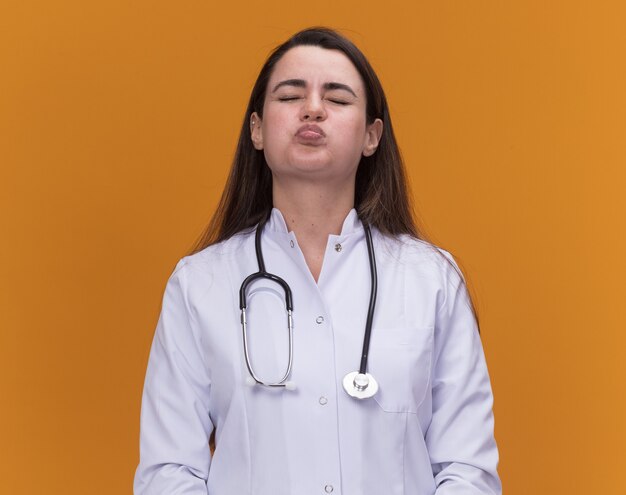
352, 131
274, 129
276, 138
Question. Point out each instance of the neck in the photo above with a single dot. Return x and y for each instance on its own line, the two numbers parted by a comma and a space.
313, 212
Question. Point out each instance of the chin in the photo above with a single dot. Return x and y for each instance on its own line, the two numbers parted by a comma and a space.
309, 162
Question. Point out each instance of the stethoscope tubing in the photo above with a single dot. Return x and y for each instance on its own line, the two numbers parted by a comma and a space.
243, 304
372, 303
351, 380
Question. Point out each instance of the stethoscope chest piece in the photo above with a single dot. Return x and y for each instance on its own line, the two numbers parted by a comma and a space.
360, 385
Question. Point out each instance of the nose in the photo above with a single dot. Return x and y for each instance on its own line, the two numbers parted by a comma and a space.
313, 109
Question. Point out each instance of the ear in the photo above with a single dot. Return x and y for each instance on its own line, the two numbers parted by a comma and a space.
256, 131
373, 134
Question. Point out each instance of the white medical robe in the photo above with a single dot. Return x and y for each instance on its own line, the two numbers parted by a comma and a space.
429, 430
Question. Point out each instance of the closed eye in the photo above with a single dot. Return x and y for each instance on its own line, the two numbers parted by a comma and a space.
338, 102
288, 98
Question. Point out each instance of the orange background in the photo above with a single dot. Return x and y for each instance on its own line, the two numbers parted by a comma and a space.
118, 122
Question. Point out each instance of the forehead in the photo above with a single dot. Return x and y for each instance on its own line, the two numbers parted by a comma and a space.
316, 65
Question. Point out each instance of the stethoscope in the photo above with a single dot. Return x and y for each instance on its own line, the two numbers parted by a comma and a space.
358, 384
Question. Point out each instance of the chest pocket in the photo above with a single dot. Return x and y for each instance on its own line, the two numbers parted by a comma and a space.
400, 360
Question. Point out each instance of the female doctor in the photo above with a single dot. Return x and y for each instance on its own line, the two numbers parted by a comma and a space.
352, 364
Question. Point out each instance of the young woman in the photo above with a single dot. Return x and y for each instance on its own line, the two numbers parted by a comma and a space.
351, 362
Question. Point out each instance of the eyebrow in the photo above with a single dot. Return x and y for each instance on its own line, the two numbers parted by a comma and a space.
301, 83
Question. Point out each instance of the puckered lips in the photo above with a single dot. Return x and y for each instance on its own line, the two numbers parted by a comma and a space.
310, 134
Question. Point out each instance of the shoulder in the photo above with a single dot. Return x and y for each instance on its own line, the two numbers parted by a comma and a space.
419, 257
210, 262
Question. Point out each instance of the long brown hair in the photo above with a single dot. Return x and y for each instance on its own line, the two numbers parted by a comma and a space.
381, 196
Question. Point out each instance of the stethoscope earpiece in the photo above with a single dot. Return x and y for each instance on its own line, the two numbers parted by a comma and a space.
287, 385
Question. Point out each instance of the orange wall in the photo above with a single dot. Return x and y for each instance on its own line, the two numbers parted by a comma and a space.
117, 124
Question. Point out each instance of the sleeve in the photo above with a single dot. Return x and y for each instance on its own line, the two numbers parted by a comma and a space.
460, 438
175, 424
